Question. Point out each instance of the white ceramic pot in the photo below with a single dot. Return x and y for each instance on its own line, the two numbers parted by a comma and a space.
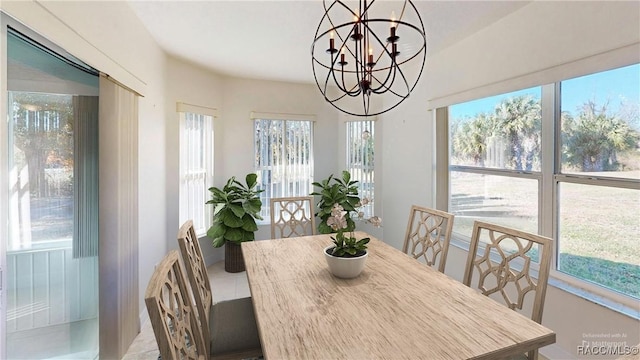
345, 268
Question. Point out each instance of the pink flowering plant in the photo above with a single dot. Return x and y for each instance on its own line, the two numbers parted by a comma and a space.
346, 245
339, 208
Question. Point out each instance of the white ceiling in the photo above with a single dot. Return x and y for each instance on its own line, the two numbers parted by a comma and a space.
272, 39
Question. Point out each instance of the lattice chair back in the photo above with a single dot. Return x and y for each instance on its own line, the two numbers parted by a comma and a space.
292, 216
428, 235
502, 258
197, 274
172, 313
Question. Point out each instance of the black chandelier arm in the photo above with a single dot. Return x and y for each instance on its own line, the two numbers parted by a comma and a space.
340, 84
399, 69
383, 85
424, 41
389, 89
391, 68
354, 91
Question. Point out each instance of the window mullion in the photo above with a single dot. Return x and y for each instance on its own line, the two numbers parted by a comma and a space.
547, 211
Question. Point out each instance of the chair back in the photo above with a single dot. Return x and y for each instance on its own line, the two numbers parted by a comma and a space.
292, 216
504, 266
428, 235
197, 274
172, 314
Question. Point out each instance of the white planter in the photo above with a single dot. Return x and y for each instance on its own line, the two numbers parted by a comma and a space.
345, 268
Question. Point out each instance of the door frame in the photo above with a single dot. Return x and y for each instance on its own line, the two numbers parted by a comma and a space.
7, 21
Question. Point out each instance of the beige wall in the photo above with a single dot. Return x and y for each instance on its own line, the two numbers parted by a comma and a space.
194, 85
534, 38
242, 96
235, 99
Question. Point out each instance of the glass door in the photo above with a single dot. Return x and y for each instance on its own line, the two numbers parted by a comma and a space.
51, 263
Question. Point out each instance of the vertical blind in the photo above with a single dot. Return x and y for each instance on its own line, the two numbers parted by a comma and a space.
118, 235
360, 159
283, 158
196, 164
85, 168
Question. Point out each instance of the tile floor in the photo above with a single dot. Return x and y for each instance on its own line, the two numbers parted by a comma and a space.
224, 286
73, 340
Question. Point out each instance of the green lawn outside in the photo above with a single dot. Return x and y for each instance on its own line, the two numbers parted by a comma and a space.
599, 226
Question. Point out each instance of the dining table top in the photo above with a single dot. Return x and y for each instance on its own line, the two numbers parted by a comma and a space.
397, 308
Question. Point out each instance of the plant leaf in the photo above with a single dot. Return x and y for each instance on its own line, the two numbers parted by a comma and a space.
323, 228
346, 176
252, 206
218, 242
234, 234
248, 236
248, 224
251, 180
238, 209
230, 219
216, 231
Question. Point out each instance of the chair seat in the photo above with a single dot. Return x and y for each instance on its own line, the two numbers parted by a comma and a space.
233, 328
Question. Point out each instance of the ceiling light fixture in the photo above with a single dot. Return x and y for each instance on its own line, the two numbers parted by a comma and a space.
367, 55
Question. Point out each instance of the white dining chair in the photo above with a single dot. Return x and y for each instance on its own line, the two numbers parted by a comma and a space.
229, 326
172, 314
502, 257
428, 235
292, 217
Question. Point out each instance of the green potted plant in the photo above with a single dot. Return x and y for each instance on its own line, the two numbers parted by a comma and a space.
237, 206
333, 190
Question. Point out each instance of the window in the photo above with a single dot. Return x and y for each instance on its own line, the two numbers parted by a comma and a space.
582, 188
495, 161
360, 159
196, 165
598, 182
284, 158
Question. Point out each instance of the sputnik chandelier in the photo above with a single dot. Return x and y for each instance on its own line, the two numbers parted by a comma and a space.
358, 53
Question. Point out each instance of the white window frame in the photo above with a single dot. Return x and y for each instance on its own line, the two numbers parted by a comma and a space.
364, 174
549, 179
196, 165
303, 189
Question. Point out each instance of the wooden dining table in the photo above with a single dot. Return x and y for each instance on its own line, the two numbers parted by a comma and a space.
397, 308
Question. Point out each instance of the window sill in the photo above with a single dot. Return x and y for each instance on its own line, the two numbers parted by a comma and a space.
590, 292
606, 298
